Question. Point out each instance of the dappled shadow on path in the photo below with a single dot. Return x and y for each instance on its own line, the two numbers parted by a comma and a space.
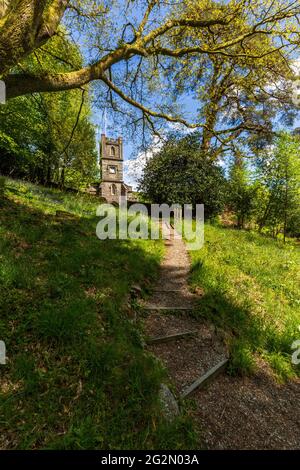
249, 413
253, 411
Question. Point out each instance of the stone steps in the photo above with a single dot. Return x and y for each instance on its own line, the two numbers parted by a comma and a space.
205, 378
173, 299
171, 337
189, 348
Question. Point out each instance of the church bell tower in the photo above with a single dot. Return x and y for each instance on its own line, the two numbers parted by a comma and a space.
111, 163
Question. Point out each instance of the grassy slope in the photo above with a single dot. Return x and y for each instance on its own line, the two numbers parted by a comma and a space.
251, 289
77, 375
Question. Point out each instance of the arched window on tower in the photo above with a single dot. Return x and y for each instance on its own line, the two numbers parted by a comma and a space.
112, 151
113, 189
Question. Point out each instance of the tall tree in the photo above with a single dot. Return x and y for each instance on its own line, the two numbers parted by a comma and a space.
241, 191
280, 173
182, 173
49, 137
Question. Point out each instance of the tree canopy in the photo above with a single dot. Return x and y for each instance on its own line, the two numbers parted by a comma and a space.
279, 173
48, 138
145, 54
180, 173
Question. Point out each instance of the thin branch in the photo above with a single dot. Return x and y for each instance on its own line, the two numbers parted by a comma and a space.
144, 21
145, 110
76, 122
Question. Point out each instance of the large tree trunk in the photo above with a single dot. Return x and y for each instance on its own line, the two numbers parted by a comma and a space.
25, 26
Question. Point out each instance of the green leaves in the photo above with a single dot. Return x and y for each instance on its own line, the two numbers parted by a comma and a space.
49, 138
180, 173
280, 173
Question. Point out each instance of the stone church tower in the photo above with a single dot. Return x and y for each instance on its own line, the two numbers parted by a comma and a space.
111, 162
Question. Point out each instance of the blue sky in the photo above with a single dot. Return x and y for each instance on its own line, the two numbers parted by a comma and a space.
120, 14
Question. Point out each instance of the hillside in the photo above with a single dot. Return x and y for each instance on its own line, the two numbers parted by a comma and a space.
250, 292
250, 289
77, 375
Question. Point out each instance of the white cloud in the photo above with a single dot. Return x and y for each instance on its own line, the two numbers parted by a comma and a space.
133, 168
296, 66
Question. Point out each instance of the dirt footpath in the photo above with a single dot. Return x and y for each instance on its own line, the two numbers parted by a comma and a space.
232, 413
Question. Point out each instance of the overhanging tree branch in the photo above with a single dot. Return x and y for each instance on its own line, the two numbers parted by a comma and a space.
42, 18
145, 110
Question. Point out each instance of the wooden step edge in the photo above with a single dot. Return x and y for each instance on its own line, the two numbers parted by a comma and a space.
168, 290
170, 309
204, 379
185, 292
173, 337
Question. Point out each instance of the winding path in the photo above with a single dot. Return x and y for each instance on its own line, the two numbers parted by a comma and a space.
233, 412
189, 348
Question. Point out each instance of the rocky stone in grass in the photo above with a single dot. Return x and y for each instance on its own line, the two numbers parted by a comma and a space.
136, 290
170, 406
65, 214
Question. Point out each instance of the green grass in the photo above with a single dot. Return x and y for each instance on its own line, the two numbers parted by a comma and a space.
77, 375
251, 291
